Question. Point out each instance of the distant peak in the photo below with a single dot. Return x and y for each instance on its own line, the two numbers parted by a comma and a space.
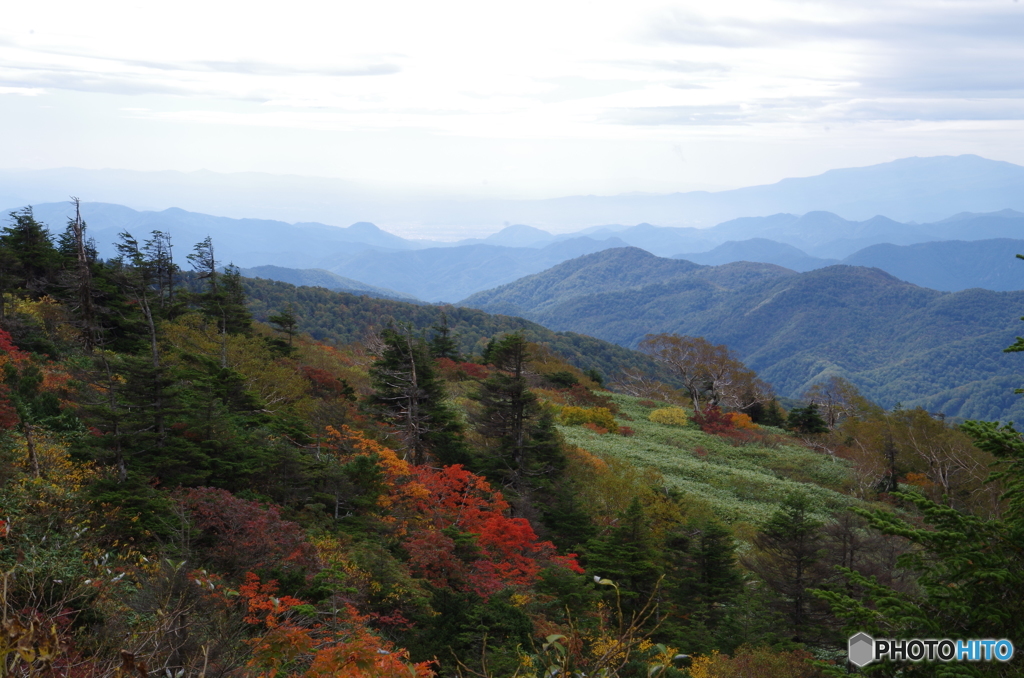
516, 229
365, 227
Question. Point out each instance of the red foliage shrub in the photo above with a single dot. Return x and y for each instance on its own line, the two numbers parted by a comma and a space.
8, 414
712, 420
600, 430
581, 396
324, 383
700, 451
467, 542
647, 403
626, 431
453, 371
475, 370
8, 347
243, 535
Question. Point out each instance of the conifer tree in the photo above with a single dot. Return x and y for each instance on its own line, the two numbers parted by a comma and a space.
32, 261
627, 555
526, 445
790, 550
409, 394
806, 420
286, 322
443, 344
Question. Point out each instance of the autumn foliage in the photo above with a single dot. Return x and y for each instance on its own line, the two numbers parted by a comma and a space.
453, 525
292, 644
241, 535
463, 539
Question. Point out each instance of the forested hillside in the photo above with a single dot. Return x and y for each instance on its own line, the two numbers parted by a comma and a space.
897, 342
185, 491
342, 318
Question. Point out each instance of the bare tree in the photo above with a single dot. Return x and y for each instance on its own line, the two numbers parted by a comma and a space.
711, 374
836, 399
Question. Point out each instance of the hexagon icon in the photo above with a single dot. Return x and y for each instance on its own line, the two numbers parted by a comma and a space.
861, 649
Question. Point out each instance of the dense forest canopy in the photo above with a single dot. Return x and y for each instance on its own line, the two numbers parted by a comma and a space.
187, 491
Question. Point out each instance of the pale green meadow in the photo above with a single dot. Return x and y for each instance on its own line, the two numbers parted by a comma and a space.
743, 482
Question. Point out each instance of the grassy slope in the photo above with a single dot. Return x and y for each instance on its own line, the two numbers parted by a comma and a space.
743, 484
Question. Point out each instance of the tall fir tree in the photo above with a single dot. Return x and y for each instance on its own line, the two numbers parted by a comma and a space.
409, 394
525, 449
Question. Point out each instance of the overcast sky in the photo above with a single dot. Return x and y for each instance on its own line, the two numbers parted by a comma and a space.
515, 99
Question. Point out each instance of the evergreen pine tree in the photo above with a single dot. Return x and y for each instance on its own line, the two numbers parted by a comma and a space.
33, 261
525, 446
790, 550
806, 420
627, 555
409, 394
443, 344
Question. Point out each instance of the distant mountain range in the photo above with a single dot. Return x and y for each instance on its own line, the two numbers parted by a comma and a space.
925, 254
911, 189
898, 342
318, 277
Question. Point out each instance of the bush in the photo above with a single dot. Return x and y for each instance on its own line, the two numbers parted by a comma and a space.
713, 421
741, 421
238, 535
672, 416
759, 661
599, 416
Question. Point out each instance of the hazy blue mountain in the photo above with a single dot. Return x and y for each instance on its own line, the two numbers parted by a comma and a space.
911, 189
897, 341
244, 242
659, 240
517, 235
449, 273
822, 234
819, 234
970, 226
318, 277
758, 250
950, 265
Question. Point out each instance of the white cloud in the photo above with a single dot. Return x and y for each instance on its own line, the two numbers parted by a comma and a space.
607, 73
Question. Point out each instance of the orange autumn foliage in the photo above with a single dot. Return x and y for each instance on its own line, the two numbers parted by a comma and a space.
741, 420
297, 646
453, 524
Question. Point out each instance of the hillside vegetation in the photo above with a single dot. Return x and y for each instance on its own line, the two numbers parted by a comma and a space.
187, 492
897, 342
340, 318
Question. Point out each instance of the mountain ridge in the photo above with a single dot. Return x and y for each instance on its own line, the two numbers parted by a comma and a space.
897, 341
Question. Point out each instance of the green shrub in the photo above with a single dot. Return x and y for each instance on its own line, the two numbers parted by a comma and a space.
673, 416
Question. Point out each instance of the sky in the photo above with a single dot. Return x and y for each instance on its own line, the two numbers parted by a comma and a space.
515, 100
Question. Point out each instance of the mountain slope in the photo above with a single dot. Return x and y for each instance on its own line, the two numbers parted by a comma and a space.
759, 250
950, 265
898, 342
617, 269
317, 277
342, 318
452, 273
